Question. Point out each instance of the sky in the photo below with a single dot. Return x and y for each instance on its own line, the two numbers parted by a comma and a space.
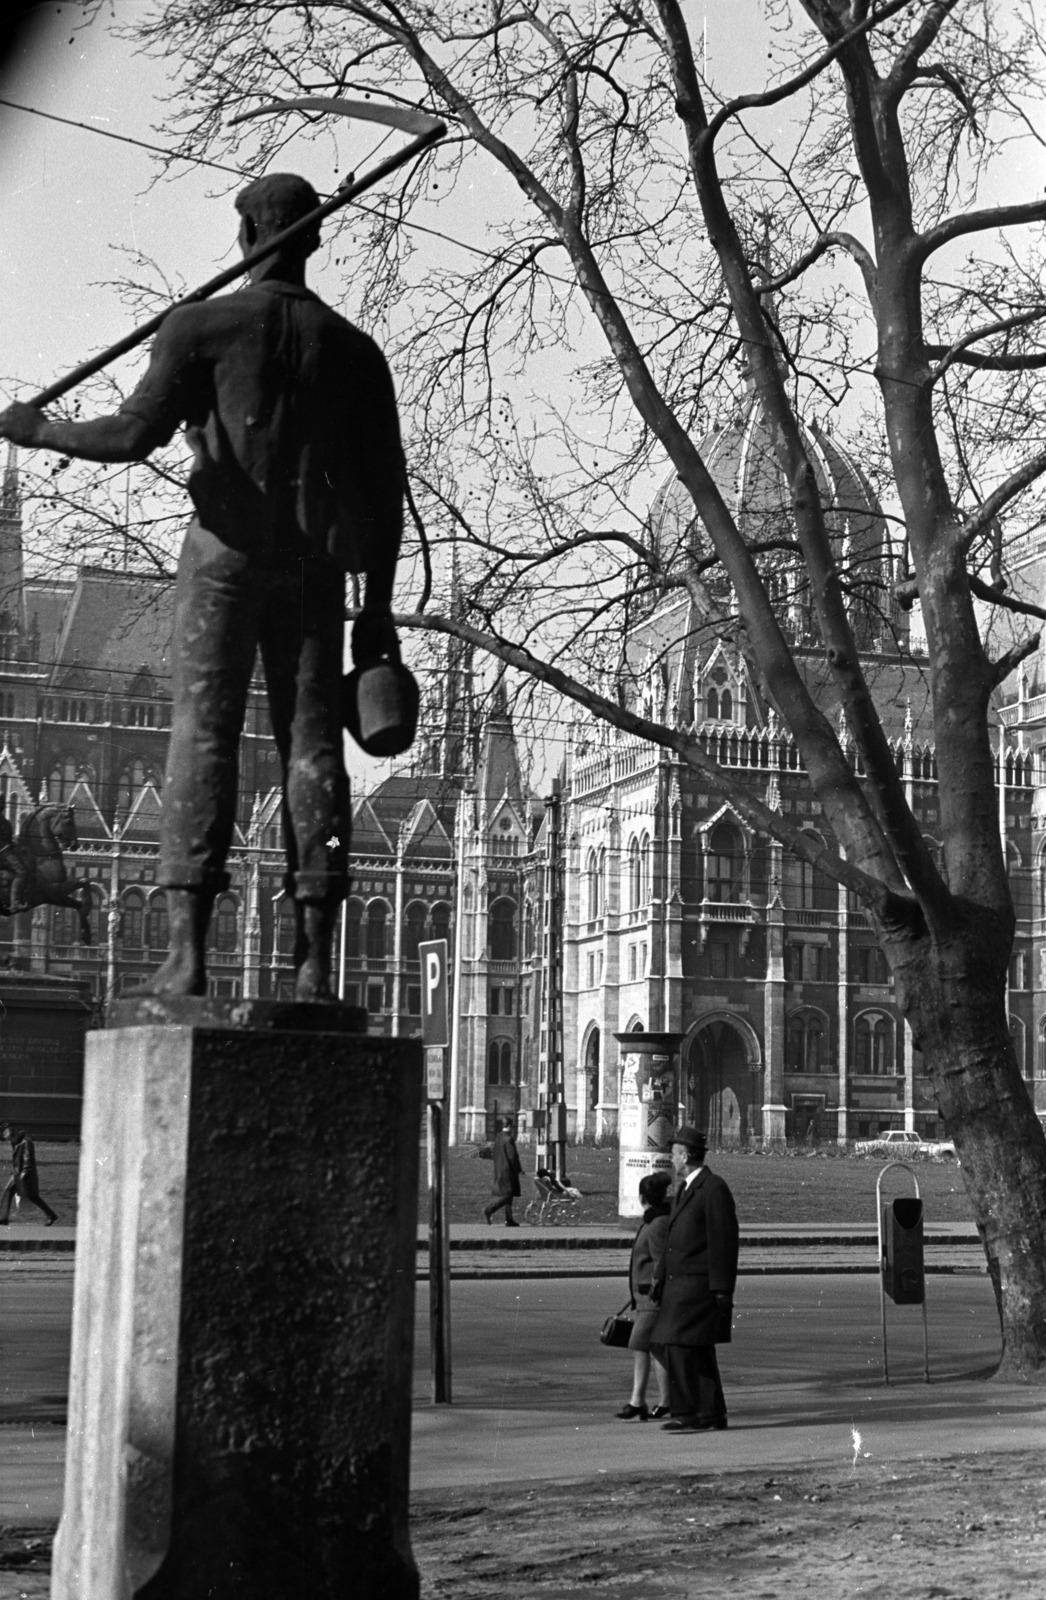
74, 203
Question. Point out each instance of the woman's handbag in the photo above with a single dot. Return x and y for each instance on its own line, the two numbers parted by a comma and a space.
617, 1330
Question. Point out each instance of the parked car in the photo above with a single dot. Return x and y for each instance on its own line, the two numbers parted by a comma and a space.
897, 1142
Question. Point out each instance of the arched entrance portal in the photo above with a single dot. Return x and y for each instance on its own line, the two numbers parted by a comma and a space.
722, 1081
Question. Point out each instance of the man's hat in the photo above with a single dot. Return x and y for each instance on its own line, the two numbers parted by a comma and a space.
693, 1138
277, 200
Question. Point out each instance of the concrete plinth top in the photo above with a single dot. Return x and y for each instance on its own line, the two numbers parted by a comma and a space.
206, 1011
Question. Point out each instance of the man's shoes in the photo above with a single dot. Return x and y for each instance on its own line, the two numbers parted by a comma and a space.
486, 1216
49, 1222
631, 1413
512, 1223
657, 1412
694, 1425
4, 1222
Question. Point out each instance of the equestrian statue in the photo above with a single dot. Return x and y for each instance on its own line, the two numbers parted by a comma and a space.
32, 870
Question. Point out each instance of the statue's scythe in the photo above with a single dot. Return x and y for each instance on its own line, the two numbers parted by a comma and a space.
428, 130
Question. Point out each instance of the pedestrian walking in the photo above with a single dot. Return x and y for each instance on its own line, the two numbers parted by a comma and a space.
694, 1288
25, 1179
647, 1250
507, 1168
10, 1191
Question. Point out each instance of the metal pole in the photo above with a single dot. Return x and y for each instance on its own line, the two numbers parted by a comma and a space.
341, 952
439, 1258
138, 335
455, 990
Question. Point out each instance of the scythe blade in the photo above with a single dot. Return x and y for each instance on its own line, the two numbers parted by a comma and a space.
428, 131
403, 117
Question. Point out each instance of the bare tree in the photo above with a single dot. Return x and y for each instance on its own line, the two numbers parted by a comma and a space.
833, 240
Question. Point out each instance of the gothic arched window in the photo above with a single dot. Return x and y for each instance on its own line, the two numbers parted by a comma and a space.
286, 927
413, 930
157, 926
377, 920
873, 1044
499, 1062
724, 864
224, 924
807, 1042
61, 780
133, 778
131, 923
635, 876
353, 928
440, 920
502, 925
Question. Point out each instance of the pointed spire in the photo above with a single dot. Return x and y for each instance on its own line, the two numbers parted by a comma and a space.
12, 576
10, 503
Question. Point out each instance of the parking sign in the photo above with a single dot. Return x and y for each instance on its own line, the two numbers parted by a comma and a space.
433, 955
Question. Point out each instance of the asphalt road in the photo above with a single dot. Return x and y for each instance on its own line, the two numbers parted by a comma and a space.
534, 1343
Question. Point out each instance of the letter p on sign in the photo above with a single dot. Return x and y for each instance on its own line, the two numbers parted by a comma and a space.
433, 956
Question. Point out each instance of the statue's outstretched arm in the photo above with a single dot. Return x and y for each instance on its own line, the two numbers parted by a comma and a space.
122, 437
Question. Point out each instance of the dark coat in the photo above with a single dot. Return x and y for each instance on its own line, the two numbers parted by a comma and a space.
699, 1262
647, 1250
507, 1165
24, 1161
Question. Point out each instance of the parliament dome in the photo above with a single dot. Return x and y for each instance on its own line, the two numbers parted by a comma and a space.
742, 463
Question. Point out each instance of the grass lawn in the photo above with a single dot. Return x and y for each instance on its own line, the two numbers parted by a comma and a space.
777, 1187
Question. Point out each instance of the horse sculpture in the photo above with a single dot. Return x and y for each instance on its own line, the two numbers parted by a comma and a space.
34, 867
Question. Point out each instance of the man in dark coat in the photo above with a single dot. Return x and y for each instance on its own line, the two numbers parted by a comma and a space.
25, 1180
297, 479
694, 1288
507, 1168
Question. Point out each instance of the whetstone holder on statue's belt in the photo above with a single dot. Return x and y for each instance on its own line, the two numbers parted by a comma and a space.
239, 1410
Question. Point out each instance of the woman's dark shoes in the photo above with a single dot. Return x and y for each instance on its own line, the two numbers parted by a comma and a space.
631, 1413
657, 1412
694, 1425
512, 1223
486, 1216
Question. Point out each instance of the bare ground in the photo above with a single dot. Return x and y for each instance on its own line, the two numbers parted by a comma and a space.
963, 1528
966, 1528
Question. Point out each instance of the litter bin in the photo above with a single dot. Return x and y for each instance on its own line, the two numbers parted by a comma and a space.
902, 1272
904, 1275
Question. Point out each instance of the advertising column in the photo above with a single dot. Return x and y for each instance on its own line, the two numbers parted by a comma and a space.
649, 1110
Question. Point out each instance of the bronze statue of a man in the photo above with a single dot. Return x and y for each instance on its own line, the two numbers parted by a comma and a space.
297, 479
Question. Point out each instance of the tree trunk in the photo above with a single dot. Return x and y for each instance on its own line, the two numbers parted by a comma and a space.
953, 995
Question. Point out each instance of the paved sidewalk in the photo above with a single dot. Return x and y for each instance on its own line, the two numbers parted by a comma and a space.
596, 1252
775, 1426
599, 1251
783, 1426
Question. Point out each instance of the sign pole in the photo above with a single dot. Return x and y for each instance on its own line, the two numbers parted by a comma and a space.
432, 954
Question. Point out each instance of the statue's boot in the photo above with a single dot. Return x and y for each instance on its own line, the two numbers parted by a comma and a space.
19, 899
315, 923
184, 971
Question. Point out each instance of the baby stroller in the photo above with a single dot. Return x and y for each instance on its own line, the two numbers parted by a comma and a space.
553, 1199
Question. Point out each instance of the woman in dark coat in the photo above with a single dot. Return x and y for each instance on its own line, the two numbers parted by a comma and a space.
507, 1168
647, 1250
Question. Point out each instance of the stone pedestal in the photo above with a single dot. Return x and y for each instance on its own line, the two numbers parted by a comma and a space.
239, 1412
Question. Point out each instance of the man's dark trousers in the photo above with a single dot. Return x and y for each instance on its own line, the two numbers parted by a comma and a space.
30, 1190
227, 606
694, 1383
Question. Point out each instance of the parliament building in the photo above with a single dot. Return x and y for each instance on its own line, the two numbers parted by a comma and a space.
627, 898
